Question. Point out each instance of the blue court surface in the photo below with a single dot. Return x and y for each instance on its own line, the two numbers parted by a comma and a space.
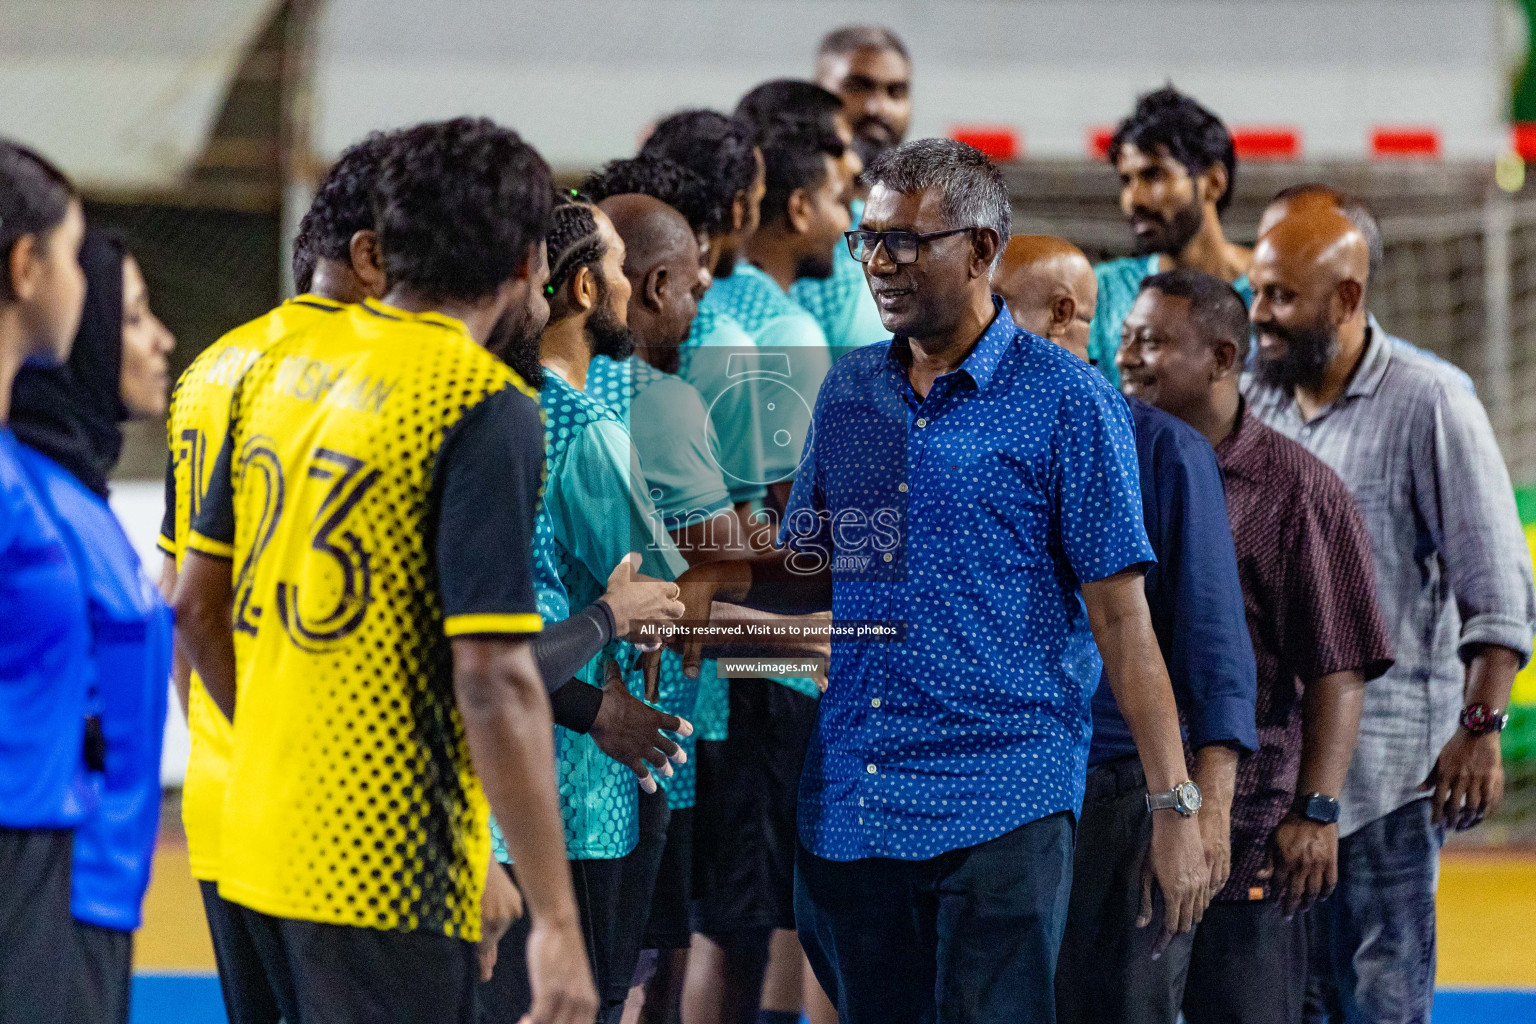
194, 999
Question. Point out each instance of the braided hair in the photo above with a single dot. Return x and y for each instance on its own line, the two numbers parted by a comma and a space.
573, 242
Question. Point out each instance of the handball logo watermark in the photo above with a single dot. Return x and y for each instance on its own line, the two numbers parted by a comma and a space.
767, 404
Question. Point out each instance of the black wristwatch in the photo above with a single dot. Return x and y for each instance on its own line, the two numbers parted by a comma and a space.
1480, 719
1316, 807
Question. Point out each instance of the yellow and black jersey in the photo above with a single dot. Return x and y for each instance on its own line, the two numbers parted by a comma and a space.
199, 418
376, 494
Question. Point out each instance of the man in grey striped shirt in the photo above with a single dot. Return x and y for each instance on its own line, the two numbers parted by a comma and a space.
1454, 583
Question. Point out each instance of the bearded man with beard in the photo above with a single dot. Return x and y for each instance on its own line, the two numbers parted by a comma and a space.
1453, 579
1177, 166
868, 67
596, 511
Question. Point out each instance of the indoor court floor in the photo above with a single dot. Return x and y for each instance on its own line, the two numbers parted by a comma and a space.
1487, 940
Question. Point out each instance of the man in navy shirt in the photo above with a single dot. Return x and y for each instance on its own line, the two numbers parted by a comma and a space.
973, 488
1196, 602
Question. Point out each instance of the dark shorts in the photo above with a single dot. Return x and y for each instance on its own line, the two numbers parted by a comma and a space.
248, 997
506, 997
347, 975
668, 926
614, 900
106, 962
744, 821
39, 959
598, 884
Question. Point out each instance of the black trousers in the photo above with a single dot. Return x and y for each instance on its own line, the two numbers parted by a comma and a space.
668, 924
248, 997
106, 962
40, 977
1106, 971
1244, 964
1248, 965
968, 937
337, 974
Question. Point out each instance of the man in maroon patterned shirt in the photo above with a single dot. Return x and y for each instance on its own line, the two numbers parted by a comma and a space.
1304, 559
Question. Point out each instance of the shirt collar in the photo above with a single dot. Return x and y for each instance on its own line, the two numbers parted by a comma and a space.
1373, 365
1238, 449
983, 361
430, 316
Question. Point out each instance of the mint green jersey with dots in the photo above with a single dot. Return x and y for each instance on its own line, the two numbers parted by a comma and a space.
713, 359
785, 336
672, 435
793, 360
596, 510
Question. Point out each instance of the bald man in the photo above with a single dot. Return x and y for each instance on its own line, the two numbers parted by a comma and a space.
1454, 582
1050, 289
1195, 599
1316, 196
666, 275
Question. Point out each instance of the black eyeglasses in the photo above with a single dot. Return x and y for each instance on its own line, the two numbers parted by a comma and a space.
901, 246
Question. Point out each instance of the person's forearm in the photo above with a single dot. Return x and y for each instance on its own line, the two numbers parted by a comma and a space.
1491, 672
567, 645
811, 640
203, 605
726, 581
1216, 774
775, 586
507, 724
1134, 666
181, 669
203, 633
722, 537
1330, 725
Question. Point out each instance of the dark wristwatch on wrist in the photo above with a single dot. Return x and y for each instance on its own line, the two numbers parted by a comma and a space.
1184, 798
1324, 810
1480, 719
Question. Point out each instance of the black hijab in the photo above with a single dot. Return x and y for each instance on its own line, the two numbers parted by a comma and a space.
71, 413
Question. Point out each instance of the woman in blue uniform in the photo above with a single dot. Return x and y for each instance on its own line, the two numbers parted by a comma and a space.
45, 665
67, 419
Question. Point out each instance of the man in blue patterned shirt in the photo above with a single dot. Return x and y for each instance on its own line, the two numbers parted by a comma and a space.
973, 488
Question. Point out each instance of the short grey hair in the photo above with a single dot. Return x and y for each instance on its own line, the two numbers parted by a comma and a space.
852, 38
972, 192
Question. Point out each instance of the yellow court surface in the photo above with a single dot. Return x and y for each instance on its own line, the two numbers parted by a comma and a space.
1487, 919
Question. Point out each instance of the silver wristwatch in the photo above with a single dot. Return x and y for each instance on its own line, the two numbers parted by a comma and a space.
1184, 798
